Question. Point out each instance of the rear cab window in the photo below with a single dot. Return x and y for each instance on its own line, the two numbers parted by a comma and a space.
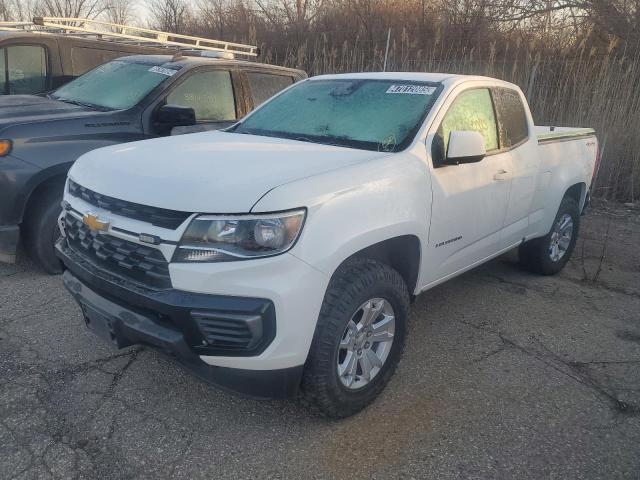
84, 59
265, 85
23, 69
512, 117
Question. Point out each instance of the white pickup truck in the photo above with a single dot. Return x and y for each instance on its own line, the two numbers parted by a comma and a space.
279, 257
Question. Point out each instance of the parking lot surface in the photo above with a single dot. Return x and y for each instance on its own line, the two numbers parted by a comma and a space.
505, 375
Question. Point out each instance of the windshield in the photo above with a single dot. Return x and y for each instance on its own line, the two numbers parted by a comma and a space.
113, 86
379, 115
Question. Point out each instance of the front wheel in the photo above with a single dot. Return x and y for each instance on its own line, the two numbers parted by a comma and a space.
359, 338
41, 230
549, 254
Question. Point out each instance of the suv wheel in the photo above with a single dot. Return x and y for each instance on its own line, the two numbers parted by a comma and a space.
359, 338
549, 254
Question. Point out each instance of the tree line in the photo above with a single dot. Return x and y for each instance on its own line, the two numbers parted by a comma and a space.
577, 60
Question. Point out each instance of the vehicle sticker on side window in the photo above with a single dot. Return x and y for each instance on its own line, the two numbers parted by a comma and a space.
169, 72
412, 89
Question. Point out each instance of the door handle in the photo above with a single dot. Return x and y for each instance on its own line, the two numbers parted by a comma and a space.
501, 175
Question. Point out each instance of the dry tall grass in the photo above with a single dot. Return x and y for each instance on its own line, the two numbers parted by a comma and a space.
577, 89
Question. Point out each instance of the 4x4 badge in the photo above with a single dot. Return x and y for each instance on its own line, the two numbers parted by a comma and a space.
94, 223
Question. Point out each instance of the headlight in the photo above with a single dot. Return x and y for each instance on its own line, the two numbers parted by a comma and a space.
221, 238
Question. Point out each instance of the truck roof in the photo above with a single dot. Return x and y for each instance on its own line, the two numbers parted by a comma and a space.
446, 78
180, 62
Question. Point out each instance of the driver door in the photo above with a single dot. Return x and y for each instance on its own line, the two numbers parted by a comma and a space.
210, 93
469, 200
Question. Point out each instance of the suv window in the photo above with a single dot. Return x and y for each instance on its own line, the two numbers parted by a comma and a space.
512, 118
24, 67
471, 110
266, 85
210, 94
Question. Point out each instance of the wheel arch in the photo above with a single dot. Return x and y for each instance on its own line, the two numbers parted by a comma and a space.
577, 191
55, 179
402, 253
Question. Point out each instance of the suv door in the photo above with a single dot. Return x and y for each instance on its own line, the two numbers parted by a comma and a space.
211, 94
469, 201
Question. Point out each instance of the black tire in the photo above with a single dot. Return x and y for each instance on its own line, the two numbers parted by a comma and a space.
535, 254
40, 229
354, 283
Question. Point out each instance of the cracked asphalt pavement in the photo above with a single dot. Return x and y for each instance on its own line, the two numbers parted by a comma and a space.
505, 375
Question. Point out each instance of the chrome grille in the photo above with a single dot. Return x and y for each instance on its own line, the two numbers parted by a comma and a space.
141, 264
160, 217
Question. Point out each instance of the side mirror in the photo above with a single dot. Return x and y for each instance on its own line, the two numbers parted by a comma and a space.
169, 116
465, 147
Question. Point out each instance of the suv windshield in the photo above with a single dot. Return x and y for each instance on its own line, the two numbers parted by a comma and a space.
113, 86
382, 115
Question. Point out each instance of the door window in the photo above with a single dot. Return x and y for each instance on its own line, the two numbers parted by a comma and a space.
26, 69
512, 118
472, 110
266, 85
210, 94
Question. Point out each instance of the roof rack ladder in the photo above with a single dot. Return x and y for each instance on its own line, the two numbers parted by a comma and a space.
106, 29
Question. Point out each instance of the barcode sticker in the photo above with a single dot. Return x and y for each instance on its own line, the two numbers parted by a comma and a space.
412, 89
163, 71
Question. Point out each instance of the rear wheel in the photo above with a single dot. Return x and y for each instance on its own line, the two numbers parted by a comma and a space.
41, 230
549, 254
359, 338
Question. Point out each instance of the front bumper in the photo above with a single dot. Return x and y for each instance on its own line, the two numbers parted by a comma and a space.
9, 238
124, 315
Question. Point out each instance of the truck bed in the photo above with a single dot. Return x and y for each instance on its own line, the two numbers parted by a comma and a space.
547, 134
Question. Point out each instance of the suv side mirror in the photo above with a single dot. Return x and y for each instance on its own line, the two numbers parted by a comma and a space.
465, 147
169, 116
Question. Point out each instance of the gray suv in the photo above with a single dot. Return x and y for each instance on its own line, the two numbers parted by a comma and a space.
128, 99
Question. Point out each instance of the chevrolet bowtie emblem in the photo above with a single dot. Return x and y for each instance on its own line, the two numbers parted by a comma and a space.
94, 223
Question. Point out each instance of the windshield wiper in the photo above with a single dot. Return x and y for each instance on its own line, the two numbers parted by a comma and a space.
82, 104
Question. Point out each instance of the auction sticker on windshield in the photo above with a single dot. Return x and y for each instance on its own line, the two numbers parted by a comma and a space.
169, 72
412, 89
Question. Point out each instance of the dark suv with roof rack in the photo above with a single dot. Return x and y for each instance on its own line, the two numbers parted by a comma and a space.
128, 99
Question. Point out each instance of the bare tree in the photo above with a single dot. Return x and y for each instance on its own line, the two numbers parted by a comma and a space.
169, 15
618, 18
16, 10
120, 11
70, 8
294, 16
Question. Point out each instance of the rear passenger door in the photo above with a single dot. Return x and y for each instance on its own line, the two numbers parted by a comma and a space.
262, 85
212, 95
522, 147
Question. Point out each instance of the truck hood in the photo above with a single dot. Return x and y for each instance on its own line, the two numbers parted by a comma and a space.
28, 108
210, 172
